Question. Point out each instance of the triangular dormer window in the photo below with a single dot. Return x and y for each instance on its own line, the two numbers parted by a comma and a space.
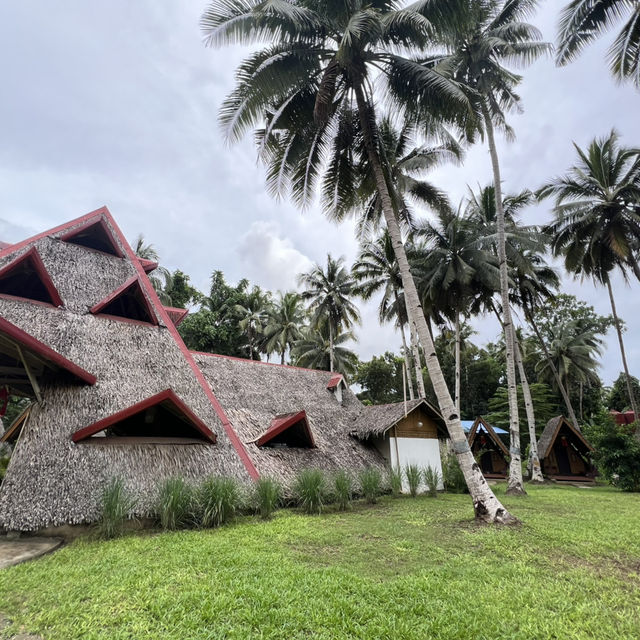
127, 302
336, 385
288, 430
27, 278
96, 236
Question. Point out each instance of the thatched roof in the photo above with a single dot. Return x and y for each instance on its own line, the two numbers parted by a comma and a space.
254, 393
551, 431
50, 479
376, 420
479, 423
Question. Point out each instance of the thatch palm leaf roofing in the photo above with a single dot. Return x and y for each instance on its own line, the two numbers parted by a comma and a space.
551, 431
478, 425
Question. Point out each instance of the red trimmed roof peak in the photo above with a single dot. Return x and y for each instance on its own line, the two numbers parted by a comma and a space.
297, 422
335, 380
129, 302
176, 315
94, 234
148, 265
26, 277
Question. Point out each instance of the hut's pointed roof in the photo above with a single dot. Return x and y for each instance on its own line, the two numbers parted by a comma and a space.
481, 422
551, 431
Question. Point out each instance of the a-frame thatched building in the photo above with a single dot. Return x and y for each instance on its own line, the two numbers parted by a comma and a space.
117, 393
491, 453
564, 452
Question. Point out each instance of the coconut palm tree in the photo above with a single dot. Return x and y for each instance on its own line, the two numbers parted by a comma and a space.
330, 292
453, 270
486, 36
582, 21
596, 225
253, 314
316, 351
160, 277
285, 322
307, 90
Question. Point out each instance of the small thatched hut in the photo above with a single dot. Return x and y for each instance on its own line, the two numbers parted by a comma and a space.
117, 393
404, 433
489, 450
564, 452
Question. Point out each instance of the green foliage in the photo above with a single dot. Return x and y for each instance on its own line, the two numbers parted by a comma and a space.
116, 505
181, 291
218, 499
371, 484
380, 379
310, 489
543, 403
617, 452
395, 480
15, 406
618, 397
432, 479
342, 489
452, 476
175, 504
414, 476
267, 494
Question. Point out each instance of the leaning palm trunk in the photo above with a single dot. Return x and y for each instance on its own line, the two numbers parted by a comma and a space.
330, 346
407, 363
554, 370
632, 399
417, 363
457, 394
486, 506
515, 483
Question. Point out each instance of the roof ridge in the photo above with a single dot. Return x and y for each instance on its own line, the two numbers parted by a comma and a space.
271, 364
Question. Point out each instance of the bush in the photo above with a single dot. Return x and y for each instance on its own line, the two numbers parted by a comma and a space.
617, 453
452, 476
371, 484
432, 480
414, 475
395, 481
310, 490
116, 505
218, 499
343, 488
175, 505
267, 494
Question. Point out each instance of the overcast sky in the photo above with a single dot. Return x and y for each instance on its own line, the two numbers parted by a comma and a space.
115, 103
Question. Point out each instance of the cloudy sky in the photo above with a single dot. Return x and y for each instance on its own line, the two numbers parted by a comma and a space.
115, 103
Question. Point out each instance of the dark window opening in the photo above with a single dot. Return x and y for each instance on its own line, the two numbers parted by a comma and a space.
95, 237
295, 436
24, 280
130, 304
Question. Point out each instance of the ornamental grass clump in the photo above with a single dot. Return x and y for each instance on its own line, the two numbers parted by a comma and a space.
343, 489
310, 490
266, 497
395, 481
175, 504
432, 480
371, 484
116, 505
414, 476
218, 500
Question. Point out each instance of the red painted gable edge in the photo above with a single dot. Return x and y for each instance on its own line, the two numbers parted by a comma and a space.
248, 361
282, 423
41, 270
180, 314
104, 211
67, 237
163, 396
97, 308
148, 265
33, 344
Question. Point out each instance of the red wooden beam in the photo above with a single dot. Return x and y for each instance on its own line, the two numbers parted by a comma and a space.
134, 281
282, 423
97, 221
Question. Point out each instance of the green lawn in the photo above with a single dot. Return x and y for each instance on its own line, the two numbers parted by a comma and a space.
405, 568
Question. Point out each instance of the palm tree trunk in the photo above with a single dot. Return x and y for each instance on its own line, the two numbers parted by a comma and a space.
417, 363
485, 504
535, 468
282, 356
515, 483
457, 350
330, 345
632, 399
407, 363
552, 366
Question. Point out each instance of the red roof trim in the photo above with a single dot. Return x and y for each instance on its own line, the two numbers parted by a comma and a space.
148, 265
248, 361
131, 282
34, 257
168, 395
282, 423
335, 381
33, 344
98, 221
176, 314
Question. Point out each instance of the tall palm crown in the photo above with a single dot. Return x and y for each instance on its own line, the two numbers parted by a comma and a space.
160, 277
597, 210
582, 21
315, 351
284, 325
253, 315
